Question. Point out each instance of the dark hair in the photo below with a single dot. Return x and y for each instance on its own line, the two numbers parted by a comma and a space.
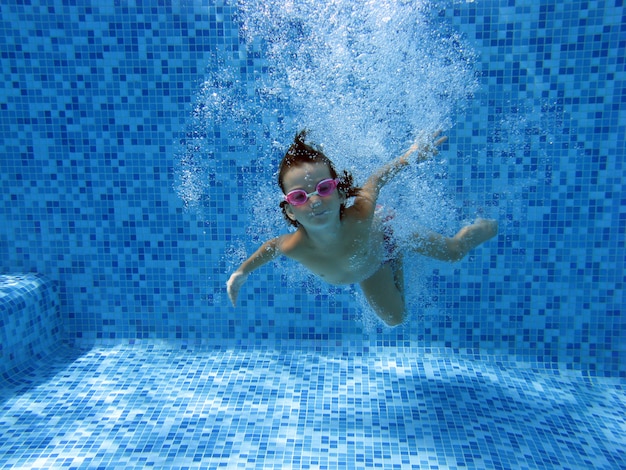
300, 153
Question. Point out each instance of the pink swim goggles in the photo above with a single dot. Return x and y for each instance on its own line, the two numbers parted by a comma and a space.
324, 188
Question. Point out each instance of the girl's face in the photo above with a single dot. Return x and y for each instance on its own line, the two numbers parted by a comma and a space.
317, 210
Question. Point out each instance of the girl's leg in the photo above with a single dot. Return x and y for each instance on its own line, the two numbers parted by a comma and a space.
443, 248
384, 291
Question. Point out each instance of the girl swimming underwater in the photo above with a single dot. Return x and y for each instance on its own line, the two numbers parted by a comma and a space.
351, 244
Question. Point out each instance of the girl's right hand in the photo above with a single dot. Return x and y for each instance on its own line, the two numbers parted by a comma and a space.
233, 285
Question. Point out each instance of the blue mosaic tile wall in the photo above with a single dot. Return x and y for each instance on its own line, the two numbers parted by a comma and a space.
95, 100
30, 321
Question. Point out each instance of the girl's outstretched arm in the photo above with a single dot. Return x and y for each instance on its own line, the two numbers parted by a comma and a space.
383, 175
424, 152
266, 253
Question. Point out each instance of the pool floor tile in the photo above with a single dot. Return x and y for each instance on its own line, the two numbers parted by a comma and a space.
166, 407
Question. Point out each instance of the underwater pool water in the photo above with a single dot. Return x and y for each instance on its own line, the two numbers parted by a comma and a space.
139, 148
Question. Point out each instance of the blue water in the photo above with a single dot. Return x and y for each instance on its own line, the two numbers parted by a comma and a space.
139, 145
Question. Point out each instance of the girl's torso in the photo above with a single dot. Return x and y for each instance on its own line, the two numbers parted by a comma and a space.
350, 258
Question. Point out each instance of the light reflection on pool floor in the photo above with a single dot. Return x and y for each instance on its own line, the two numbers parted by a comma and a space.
170, 407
